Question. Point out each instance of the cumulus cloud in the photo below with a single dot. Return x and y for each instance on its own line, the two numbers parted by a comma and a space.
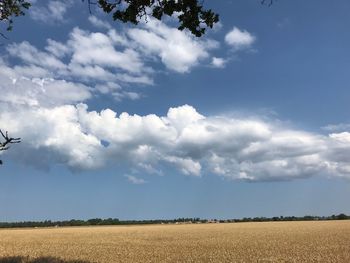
85, 58
178, 50
56, 133
239, 39
18, 86
126, 52
125, 58
194, 144
98, 49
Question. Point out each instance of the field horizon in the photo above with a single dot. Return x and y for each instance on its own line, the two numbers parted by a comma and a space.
117, 221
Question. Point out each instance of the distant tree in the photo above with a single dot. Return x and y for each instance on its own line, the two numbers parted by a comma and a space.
5, 145
342, 217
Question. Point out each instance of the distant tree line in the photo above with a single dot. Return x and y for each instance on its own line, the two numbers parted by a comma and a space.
115, 221
293, 218
94, 222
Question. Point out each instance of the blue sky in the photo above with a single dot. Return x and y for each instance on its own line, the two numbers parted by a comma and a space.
150, 122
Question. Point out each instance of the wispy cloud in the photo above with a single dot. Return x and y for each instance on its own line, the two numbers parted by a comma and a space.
337, 127
134, 180
95, 21
51, 13
284, 23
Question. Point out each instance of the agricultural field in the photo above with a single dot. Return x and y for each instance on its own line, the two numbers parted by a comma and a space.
315, 241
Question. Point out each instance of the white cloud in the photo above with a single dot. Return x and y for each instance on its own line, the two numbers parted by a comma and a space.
116, 91
143, 79
99, 23
28, 71
32, 56
186, 165
217, 26
122, 58
126, 94
181, 117
134, 180
51, 13
112, 55
18, 86
98, 49
218, 62
337, 127
86, 57
239, 39
54, 135
234, 148
56, 48
178, 50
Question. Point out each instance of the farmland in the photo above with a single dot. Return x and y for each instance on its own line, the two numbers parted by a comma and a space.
324, 241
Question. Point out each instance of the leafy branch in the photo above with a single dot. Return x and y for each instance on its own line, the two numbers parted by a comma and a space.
12, 8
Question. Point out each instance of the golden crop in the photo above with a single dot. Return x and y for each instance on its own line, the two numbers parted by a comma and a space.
323, 241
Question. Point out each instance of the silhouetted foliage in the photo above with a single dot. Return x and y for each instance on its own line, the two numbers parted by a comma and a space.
342, 217
12, 8
5, 145
190, 13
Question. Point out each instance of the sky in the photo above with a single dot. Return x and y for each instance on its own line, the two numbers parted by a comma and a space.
146, 122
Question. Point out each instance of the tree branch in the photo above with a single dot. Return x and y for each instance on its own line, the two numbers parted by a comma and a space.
268, 2
7, 141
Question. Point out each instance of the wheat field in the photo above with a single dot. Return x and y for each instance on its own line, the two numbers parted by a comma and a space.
323, 241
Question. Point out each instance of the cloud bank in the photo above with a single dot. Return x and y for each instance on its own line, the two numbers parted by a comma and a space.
234, 148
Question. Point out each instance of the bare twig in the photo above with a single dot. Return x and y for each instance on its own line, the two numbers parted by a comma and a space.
8, 140
268, 2
3, 36
90, 3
